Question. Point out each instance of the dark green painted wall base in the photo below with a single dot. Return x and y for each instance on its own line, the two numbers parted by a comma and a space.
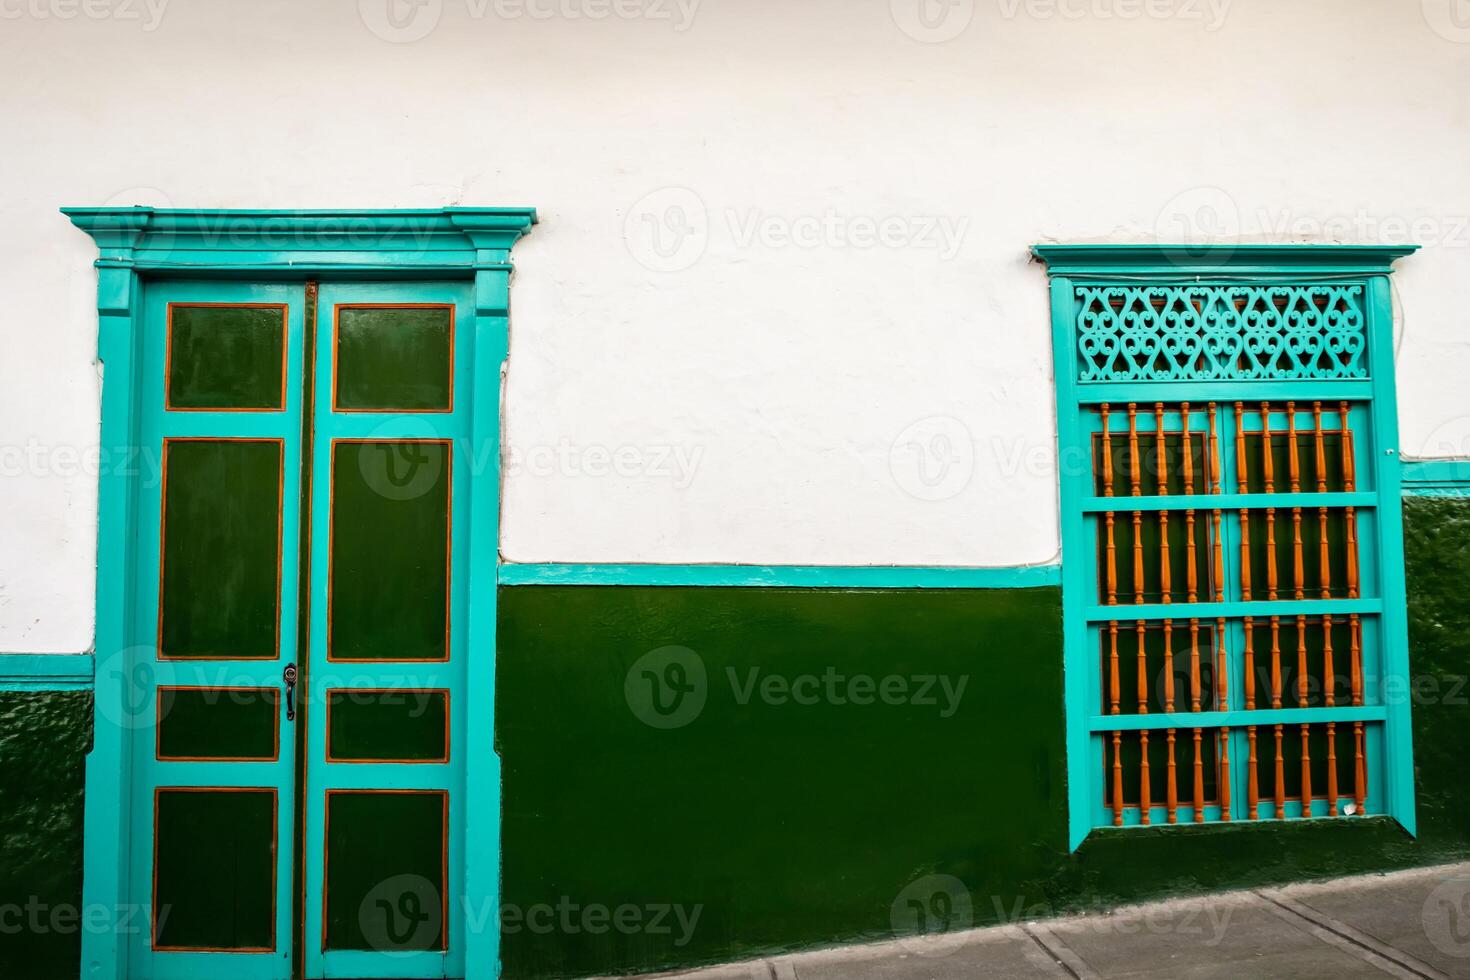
783, 824
43, 740
747, 828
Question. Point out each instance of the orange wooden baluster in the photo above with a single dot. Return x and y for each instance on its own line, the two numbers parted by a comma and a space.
1349, 478
1242, 486
1280, 776
1298, 582
1189, 548
1199, 779
1212, 475
1213, 463
1268, 461
1117, 779
1298, 573
1166, 584
1329, 680
1112, 547
1323, 555
1192, 574
1133, 476
1306, 774
1276, 703
1222, 703
1301, 699
1268, 465
1144, 800
1324, 560
1355, 625
1252, 790
1166, 587
1214, 547
1112, 553
1114, 685
1331, 769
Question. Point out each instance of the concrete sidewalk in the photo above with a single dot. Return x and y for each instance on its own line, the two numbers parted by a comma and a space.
1411, 924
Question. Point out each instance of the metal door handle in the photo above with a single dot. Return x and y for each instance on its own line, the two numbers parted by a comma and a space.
289, 676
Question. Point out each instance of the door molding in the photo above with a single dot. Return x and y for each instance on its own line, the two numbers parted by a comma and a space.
136, 243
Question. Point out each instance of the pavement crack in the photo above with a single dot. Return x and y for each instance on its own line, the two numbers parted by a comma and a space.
1058, 951
1380, 954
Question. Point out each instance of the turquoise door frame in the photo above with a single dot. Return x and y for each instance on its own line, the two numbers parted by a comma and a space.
471, 245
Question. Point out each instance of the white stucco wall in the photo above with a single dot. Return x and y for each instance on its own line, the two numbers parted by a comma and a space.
860, 185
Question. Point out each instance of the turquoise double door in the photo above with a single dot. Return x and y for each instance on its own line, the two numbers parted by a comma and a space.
297, 700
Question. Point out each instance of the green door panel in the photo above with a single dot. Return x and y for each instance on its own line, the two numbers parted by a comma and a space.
226, 358
215, 870
394, 358
387, 726
221, 548
386, 870
390, 544
225, 724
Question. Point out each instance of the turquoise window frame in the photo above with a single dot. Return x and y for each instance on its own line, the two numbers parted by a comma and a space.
134, 244
1071, 266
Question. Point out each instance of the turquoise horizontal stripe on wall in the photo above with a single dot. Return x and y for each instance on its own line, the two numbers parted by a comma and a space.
789, 576
45, 671
1437, 477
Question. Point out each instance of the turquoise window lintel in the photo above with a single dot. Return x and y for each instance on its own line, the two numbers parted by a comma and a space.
299, 243
1268, 262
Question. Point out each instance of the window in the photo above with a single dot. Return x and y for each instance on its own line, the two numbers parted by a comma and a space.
1233, 569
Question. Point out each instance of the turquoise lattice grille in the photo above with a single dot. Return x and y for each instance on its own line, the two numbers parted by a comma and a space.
1220, 332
